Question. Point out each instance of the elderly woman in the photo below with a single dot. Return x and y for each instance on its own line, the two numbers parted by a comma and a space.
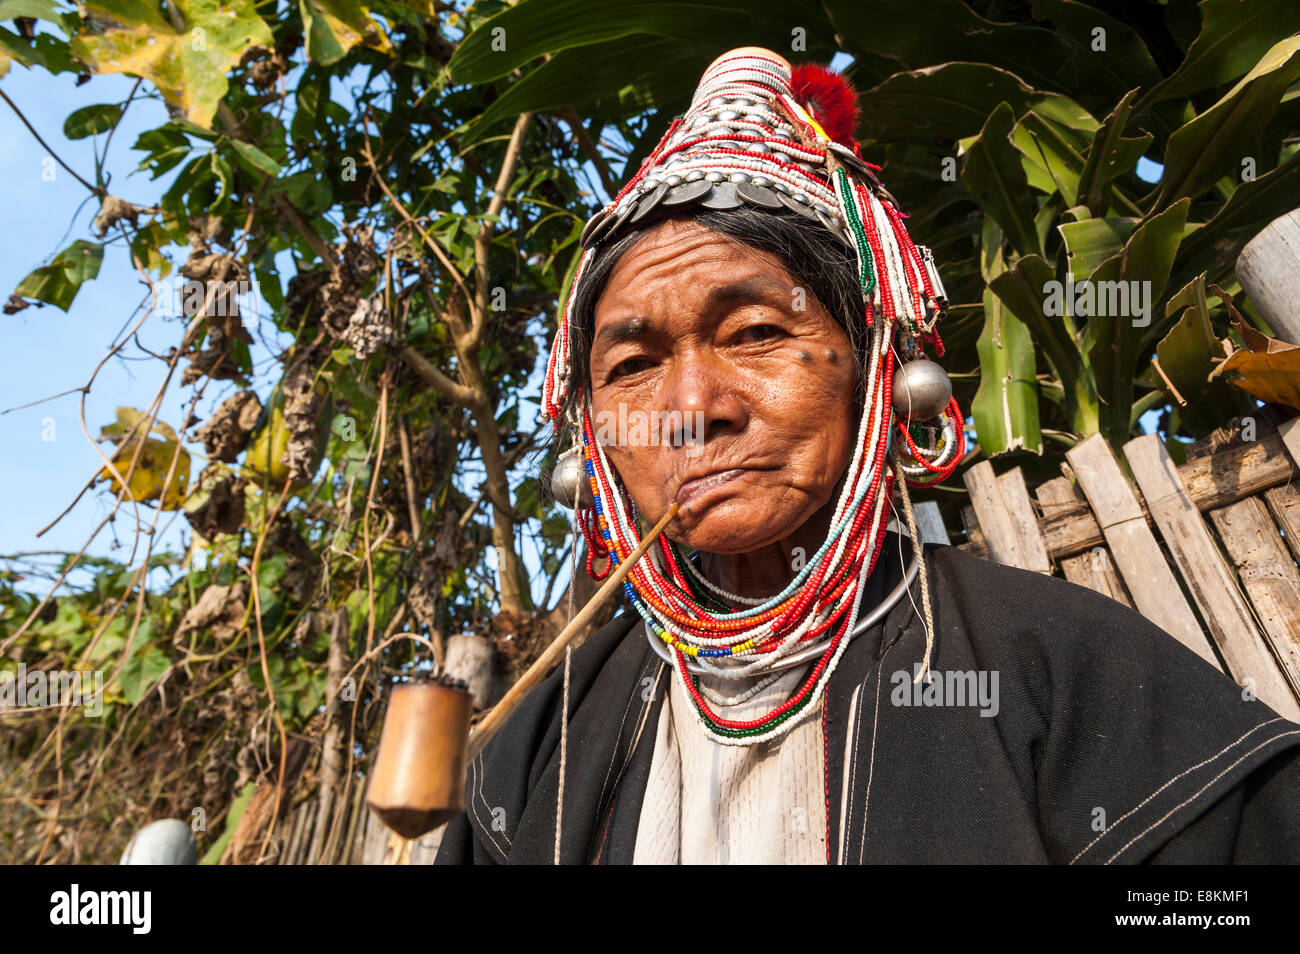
790, 686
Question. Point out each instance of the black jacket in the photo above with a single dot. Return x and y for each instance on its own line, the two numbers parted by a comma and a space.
1112, 742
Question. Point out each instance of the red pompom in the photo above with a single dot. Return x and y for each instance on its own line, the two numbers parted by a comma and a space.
830, 97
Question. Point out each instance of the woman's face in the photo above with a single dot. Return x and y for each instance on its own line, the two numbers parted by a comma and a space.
760, 374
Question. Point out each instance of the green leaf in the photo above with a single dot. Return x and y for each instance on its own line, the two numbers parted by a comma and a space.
143, 669
1213, 248
46, 51
1111, 155
669, 67
311, 95
519, 34
1055, 149
166, 147
213, 855
952, 101
147, 244
268, 278
1114, 341
221, 169
1186, 356
1023, 288
1068, 114
1124, 58
58, 282
89, 120
993, 172
256, 159
948, 31
1005, 407
1092, 241
186, 195
1212, 144
34, 9
1150, 251
309, 191
333, 27
187, 65
1234, 35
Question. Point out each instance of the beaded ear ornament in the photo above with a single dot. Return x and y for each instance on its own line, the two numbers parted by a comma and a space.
761, 134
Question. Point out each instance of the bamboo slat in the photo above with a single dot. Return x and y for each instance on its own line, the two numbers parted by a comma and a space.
1155, 590
426, 848
375, 839
995, 520
1207, 576
1236, 472
1015, 498
975, 543
1071, 529
1289, 434
1284, 504
929, 521
1284, 501
1268, 575
1091, 568
293, 845
351, 853
1214, 481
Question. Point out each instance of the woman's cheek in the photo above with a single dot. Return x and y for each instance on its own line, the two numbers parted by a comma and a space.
620, 436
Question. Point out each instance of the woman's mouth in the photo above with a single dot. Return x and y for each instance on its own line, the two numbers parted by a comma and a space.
693, 488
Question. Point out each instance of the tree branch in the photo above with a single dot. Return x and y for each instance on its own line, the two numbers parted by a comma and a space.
54, 155
433, 246
404, 441
453, 391
570, 116
318, 245
483, 240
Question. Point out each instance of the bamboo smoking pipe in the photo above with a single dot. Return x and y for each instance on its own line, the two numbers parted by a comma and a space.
497, 715
418, 778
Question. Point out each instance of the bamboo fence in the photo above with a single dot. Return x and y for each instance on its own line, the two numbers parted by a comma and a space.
1206, 550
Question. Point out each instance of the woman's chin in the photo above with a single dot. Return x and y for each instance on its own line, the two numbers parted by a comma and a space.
732, 526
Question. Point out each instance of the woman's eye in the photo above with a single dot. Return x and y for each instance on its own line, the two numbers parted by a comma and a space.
760, 333
629, 366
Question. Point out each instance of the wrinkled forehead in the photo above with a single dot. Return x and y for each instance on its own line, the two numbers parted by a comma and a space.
682, 259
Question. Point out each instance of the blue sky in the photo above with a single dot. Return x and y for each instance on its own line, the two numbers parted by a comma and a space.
46, 351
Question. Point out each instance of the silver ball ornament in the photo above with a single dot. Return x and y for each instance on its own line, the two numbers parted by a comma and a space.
569, 481
921, 390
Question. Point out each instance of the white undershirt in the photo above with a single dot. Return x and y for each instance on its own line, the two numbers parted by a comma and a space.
707, 803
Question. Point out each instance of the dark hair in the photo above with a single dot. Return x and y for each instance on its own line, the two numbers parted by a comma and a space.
815, 257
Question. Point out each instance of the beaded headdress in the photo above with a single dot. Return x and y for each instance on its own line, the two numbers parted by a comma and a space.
761, 134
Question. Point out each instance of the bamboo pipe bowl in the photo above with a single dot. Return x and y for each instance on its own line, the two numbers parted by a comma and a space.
418, 780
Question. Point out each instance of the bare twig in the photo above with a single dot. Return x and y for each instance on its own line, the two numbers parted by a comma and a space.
404, 441
570, 116
483, 240
54, 155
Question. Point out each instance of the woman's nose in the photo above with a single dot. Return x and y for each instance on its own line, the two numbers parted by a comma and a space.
702, 397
